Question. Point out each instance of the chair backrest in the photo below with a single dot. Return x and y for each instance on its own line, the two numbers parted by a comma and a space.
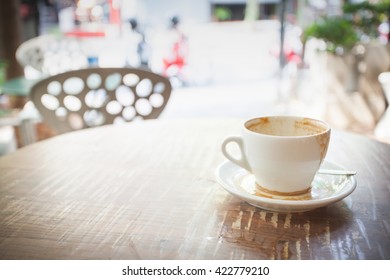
96, 96
52, 54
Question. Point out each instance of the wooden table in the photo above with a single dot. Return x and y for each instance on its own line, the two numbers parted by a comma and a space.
147, 190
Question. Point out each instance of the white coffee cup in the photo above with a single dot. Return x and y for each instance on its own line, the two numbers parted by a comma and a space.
282, 152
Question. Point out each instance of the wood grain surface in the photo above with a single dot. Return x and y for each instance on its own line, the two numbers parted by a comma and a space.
146, 190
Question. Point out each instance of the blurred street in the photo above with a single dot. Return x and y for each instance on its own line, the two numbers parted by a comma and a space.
233, 71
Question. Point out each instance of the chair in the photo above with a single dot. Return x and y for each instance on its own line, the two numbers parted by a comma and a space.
97, 96
51, 54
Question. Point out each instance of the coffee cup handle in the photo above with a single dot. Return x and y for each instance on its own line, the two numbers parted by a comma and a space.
243, 162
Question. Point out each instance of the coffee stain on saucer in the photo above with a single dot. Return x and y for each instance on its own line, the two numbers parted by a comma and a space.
322, 187
303, 196
249, 185
283, 194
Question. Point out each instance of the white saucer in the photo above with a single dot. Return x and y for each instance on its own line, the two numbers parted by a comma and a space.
325, 189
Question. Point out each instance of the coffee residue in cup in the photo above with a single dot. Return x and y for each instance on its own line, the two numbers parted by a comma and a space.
278, 126
309, 126
254, 124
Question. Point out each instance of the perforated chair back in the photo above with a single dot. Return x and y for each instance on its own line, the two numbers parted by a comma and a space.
51, 54
97, 96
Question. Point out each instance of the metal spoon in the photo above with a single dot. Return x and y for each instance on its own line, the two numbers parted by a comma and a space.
336, 172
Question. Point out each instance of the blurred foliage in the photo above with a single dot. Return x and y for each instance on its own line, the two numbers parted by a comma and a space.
3, 68
336, 32
358, 23
222, 13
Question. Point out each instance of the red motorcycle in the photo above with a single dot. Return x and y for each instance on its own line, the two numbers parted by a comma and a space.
175, 61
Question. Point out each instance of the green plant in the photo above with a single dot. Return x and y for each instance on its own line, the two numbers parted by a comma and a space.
336, 32
366, 16
359, 22
222, 13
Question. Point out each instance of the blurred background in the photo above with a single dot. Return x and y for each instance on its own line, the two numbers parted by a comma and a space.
224, 58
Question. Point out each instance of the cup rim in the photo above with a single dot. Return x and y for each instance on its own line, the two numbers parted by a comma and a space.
325, 124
